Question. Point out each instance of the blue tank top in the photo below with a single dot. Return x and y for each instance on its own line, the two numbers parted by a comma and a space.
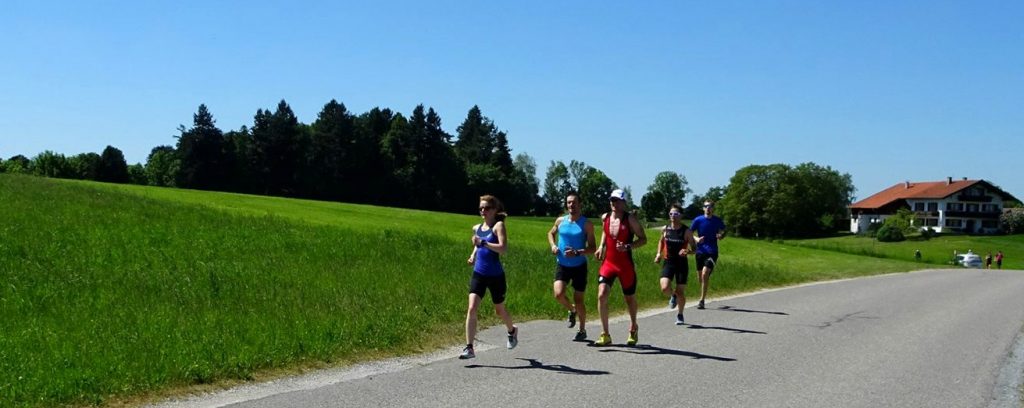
572, 235
487, 261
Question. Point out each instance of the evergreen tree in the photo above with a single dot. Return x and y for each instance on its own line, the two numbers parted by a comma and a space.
201, 153
276, 139
375, 173
240, 162
331, 161
395, 149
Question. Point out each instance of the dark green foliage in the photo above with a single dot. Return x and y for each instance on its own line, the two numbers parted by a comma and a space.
162, 167
201, 155
112, 167
557, 186
277, 150
17, 165
85, 166
890, 233
781, 201
872, 230
50, 164
653, 205
927, 233
137, 174
696, 207
672, 186
332, 162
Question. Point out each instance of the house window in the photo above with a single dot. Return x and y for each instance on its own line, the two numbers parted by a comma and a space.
972, 208
918, 206
931, 222
989, 208
954, 223
989, 224
933, 206
954, 206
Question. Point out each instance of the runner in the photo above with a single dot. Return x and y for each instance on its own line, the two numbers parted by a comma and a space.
676, 242
707, 231
616, 250
489, 241
575, 239
999, 259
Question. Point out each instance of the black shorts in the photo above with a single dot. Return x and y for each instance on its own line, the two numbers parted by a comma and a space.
610, 281
574, 275
707, 260
678, 271
479, 284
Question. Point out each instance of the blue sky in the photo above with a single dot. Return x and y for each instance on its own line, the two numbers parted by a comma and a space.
884, 90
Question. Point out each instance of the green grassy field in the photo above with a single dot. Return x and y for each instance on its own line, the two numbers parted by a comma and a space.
938, 250
112, 292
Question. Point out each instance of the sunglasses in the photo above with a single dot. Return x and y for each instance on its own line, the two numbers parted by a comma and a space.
709, 206
674, 214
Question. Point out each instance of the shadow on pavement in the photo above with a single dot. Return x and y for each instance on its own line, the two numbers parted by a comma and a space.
647, 349
699, 327
534, 364
736, 309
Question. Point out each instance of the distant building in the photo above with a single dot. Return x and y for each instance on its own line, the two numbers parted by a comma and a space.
968, 206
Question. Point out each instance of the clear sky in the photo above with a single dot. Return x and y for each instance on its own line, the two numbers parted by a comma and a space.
884, 90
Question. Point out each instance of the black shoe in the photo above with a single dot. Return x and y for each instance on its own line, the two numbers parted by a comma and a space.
572, 319
580, 336
700, 305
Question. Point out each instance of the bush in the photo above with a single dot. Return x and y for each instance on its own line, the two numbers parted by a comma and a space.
873, 228
1012, 221
889, 233
927, 233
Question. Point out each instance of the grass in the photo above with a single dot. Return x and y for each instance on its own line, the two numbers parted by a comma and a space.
937, 251
115, 291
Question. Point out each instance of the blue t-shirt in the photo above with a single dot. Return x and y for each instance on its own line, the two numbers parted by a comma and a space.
707, 228
572, 235
487, 261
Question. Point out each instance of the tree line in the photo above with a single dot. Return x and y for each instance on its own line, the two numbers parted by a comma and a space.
382, 157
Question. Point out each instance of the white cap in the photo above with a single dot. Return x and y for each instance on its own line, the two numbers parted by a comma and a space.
618, 193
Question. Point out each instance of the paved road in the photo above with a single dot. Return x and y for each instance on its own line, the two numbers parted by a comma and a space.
923, 339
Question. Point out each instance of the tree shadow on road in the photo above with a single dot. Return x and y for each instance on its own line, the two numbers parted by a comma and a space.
736, 309
699, 327
534, 364
647, 349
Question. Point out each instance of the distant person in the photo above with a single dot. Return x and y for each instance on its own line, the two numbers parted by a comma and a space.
707, 229
676, 242
571, 239
999, 259
955, 253
917, 255
616, 250
988, 260
489, 242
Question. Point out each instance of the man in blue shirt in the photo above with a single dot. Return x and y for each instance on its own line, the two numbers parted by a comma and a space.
707, 231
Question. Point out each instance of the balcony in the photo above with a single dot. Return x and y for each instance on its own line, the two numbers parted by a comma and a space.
974, 198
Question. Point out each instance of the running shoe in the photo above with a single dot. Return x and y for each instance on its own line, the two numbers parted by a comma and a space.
700, 305
467, 353
633, 337
572, 319
672, 302
513, 338
580, 336
679, 320
603, 340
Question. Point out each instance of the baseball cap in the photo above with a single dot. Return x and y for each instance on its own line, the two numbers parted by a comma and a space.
619, 194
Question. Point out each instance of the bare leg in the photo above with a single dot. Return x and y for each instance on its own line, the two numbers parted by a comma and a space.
505, 317
705, 275
581, 309
474, 304
602, 305
559, 291
665, 286
631, 305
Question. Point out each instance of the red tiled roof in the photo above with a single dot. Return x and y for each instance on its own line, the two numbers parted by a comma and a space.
901, 191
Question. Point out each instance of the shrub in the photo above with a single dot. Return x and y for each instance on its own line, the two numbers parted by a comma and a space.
889, 233
927, 233
873, 228
1012, 221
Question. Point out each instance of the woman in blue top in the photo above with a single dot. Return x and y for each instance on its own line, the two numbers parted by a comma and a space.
489, 242
571, 239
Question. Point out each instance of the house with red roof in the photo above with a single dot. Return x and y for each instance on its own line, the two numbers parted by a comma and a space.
967, 206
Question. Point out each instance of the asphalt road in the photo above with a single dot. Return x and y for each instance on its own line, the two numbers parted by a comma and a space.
923, 339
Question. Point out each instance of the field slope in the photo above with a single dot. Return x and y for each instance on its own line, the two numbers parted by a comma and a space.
113, 291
